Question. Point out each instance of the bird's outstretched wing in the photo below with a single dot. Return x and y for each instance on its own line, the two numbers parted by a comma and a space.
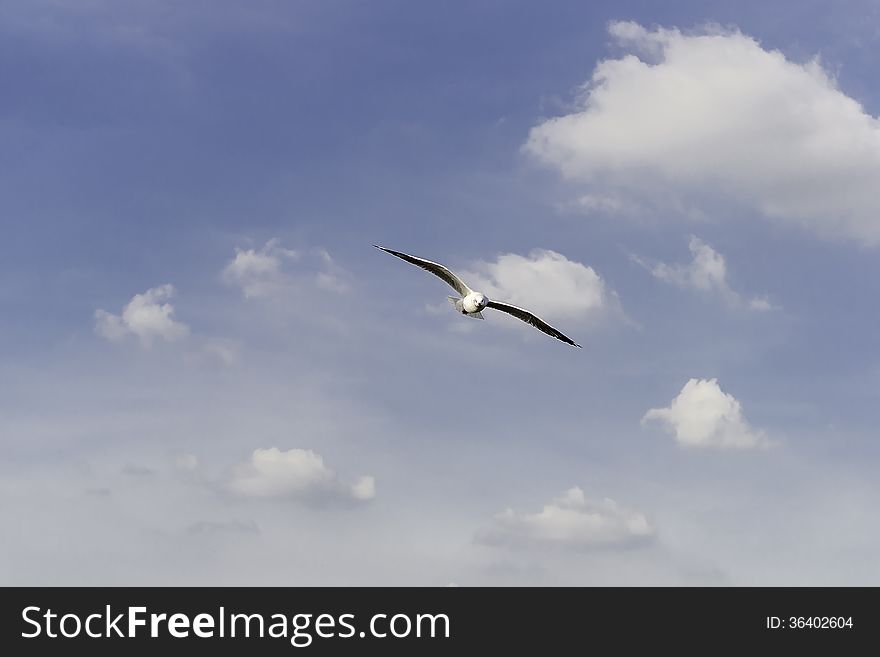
433, 267
529, 318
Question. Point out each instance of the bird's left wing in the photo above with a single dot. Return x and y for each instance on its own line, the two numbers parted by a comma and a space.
435, 268
532, 319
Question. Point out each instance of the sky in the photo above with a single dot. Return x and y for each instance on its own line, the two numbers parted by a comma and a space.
209, 376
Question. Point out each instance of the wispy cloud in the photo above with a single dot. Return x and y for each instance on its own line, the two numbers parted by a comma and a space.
572, 521
259, 272
706, 272
265, 271
147, 316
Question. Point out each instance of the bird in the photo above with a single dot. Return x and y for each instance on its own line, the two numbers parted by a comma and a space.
471, 303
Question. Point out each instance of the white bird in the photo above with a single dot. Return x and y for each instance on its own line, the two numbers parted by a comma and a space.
470, 303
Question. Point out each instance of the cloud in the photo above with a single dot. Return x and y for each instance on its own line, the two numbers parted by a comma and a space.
258, 272
332, 277
570, 521
147, 316
134, 470
209, 527
364, 488
707, 272
702, 415
545, 282
606, 204
186, 461
223, 351
713, 114
297, 474
761, 304
261, 272
101, 491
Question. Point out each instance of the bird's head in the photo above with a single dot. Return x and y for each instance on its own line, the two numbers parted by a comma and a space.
481, 300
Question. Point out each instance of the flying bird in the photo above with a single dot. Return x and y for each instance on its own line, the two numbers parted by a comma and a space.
471, 303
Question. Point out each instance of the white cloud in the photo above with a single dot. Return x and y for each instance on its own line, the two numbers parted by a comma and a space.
296, 473
707, 272
261, 272
229, 527
570, 521
545, 282
761, 304
258, 272
332, 277
186, 462
606, 204
147, 316
364, 488
213, 352
223, 351
702, 415
713, 114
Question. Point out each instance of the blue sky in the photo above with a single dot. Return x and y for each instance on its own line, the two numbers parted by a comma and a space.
299, 408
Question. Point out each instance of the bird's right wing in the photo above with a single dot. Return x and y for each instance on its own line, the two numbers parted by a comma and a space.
437, 269
532, 319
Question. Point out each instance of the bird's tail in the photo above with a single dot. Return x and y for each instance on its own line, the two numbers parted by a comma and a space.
456, 302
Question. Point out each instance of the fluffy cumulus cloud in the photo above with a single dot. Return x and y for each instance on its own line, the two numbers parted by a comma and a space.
297, 474
147, 316
573, 521
544, 281
707, 272
714, 113
703, 415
